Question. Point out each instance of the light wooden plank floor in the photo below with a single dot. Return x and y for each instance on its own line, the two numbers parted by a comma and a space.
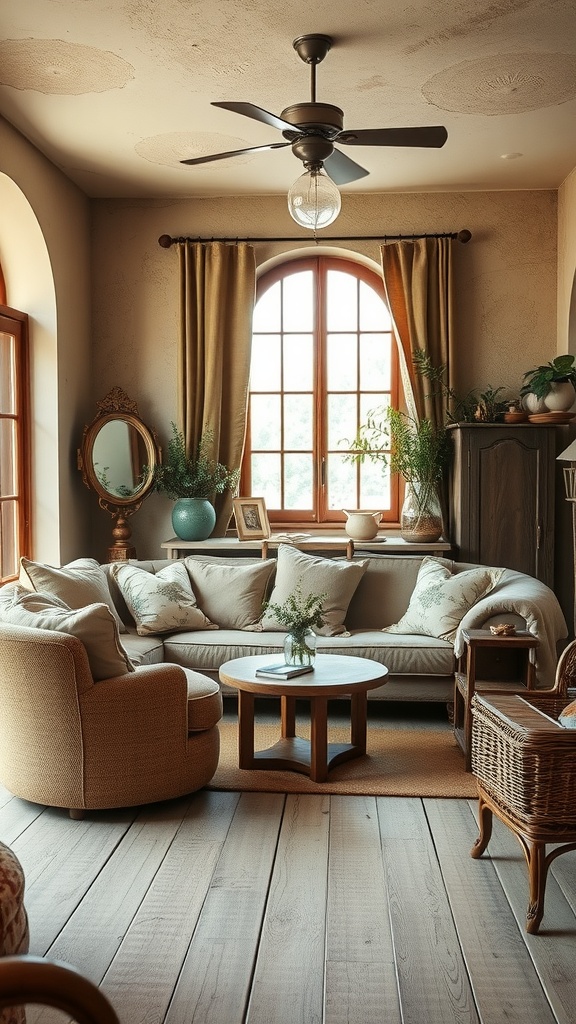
225, 908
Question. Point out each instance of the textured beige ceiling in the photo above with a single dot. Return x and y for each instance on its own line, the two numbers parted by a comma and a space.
117, 92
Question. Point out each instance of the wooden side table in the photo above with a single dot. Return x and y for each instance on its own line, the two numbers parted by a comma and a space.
490, 664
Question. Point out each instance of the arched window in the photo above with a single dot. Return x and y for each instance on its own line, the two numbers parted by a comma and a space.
323, 357
14, 442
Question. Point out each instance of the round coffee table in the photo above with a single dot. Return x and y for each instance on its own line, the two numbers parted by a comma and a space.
333, 675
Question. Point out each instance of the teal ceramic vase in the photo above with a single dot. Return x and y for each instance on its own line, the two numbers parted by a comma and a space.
193, 518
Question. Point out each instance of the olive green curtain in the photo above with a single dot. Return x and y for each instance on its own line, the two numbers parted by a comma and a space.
418, 281
217, 294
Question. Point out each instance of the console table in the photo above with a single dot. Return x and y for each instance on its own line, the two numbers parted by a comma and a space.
337, 541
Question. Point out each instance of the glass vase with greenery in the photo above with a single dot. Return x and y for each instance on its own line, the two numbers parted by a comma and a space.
299, 614
196, 476
416, 449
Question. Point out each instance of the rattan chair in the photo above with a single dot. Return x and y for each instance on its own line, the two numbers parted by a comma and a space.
30, 979
525, 767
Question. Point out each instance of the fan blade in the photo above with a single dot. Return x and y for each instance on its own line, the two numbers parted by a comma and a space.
431, 137
342, 169
258, 114
233, 152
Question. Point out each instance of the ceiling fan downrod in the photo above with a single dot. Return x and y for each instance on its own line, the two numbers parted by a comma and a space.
312, 49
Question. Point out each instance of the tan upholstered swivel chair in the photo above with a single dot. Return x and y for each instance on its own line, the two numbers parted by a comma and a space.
67, 741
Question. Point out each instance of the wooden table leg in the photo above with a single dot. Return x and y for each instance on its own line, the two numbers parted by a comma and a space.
358, 721
318, 739
245, 729
288, 716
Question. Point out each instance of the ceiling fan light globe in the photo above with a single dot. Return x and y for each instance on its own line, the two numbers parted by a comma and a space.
314, 200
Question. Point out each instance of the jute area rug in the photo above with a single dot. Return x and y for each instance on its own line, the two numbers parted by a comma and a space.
400, 761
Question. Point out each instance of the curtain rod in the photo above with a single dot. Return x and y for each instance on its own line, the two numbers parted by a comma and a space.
463, 236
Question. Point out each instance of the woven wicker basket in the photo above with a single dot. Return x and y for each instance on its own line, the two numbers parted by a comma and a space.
525, 760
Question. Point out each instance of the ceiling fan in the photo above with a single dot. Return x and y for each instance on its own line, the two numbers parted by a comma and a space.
312, 130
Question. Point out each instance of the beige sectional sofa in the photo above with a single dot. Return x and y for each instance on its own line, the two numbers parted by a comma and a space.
375, 621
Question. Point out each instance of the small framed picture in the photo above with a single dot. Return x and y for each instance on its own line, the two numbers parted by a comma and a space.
251, 518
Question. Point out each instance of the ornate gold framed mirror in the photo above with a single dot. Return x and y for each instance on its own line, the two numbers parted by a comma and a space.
117, 458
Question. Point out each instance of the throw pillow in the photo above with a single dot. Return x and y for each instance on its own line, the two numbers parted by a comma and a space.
440, 599
231, 595
79, 583
316, 575
161, 602
94, 625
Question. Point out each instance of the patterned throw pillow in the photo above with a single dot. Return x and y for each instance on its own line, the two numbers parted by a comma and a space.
94, 625
231, 595
337, 579
161, 602
79, 583
440, 599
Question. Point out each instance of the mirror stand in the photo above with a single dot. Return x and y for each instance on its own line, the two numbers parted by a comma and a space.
121, 549
117, 458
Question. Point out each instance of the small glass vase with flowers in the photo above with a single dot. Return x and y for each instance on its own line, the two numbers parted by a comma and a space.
299, 614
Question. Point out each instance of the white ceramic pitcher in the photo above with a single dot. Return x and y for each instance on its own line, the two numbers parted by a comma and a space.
361, 525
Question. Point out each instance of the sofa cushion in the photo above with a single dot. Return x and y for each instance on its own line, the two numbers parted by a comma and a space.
93, 625
316, 575
161, 602
231, 595
79, 583
440, 598
143, 650
207, 651
204, 701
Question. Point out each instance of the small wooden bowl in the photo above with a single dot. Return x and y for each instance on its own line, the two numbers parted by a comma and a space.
515, 417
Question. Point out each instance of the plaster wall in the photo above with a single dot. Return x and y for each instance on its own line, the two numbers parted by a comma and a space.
505, 289
567, 264
45, 253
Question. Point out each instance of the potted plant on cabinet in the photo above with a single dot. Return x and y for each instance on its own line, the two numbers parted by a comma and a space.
550, 386
418, 451
191, 482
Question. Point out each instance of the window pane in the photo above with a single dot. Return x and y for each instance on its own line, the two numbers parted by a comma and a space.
7, 368
298, 424
298, 473
374, 486
266, 479
342, 424
341, 484
265, 421
342, 355
7, 457
373, 406
298, 308
267, 310
298, 365
374, 315
9, 539
265, 363
342, 295
375, 362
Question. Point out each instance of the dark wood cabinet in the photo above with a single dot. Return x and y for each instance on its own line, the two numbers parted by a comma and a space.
502, 496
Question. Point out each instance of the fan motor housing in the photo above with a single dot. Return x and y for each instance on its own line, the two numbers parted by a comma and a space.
323, 118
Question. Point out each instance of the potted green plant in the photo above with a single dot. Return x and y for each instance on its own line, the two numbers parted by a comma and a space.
474, 407
192, 482
419, 451
299, 614
550, 386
